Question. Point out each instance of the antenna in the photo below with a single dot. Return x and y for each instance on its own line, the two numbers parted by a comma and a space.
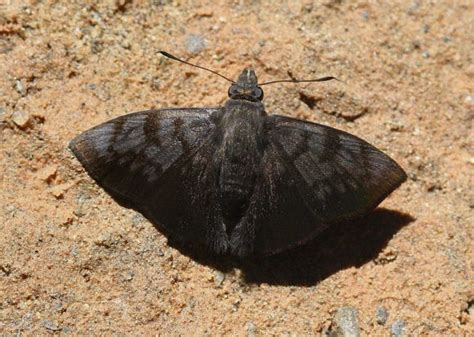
322, 79
168, 55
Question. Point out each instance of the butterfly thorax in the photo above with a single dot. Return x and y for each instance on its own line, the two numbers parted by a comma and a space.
239, 157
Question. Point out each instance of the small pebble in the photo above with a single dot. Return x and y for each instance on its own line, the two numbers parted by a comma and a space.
51, 326
21, 119
20, 88
381, 315
386, 256
6, 269
47, 173
3, 115
138, 220
398, 328
195, 43
219, 278
251, 329
395, 126
67, 329
59, 190
74, 251
470, 70
345, 323
469, 99
26, 321
127, 276
108, 240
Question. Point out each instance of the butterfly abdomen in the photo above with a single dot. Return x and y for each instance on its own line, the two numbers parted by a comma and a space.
239, 158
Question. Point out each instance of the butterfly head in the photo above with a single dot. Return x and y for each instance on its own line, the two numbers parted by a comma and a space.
246, 87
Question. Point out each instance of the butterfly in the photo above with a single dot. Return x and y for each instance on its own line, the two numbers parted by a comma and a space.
233, 178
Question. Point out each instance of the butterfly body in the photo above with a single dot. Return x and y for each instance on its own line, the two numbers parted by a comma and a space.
233, 178
240, 153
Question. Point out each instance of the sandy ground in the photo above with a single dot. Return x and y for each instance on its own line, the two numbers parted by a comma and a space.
73, 261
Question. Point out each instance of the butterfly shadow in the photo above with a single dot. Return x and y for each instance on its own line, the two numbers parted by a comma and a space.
339, 247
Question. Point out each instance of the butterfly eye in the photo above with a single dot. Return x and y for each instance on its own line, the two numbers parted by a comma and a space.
233, 91
258, 93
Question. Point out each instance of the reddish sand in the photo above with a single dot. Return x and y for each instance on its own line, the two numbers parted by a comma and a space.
73, 261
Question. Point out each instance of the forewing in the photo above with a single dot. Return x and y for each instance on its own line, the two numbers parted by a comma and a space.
341, 175
322, 176
187, 200
140, 160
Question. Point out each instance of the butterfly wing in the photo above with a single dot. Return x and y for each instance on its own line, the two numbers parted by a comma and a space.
313, 176
158, 162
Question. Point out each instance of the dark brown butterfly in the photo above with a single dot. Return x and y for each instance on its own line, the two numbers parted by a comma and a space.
233, 178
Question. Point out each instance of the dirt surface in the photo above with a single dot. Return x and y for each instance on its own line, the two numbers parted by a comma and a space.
73, 261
